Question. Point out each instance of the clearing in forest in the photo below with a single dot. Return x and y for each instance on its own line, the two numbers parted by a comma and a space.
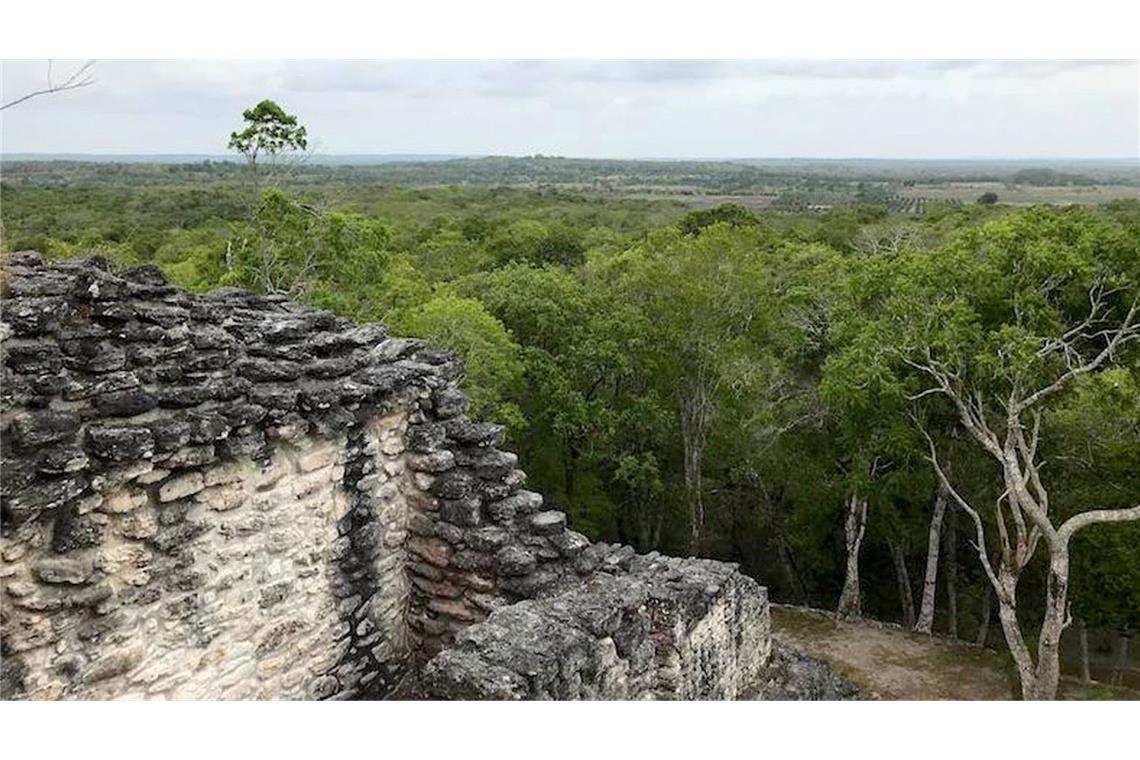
893, 663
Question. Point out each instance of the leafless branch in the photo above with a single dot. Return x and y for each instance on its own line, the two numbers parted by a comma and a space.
84, 76
980, 542
1096, 517
1128, 330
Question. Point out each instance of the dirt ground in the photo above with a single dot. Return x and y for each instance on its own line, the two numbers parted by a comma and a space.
893, 663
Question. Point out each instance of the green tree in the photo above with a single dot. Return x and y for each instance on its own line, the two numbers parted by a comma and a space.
705, 304
535, 242
1096, 452
290, 247
999, 324
493, 360
732, 214
269, 132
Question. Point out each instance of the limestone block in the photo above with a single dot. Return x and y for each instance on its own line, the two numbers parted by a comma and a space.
181, 486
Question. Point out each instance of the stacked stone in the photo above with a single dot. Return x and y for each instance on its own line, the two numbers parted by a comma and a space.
231, 495
126, 402
641, 627
478, 539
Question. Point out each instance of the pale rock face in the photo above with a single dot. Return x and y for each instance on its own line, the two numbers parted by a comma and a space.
252, 602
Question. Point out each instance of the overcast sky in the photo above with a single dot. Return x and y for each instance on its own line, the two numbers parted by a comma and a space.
621, 109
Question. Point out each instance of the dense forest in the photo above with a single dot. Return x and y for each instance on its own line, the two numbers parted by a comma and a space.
896, 417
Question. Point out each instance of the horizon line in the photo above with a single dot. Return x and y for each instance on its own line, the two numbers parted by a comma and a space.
445, 154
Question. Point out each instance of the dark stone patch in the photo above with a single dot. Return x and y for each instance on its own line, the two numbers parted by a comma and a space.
120, 443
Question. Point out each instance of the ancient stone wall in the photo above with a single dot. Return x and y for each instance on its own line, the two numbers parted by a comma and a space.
643, 627
233, 496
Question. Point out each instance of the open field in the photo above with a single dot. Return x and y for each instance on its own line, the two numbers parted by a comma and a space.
1020, 195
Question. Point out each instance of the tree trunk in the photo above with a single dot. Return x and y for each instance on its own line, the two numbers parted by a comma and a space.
695, 416
1039, 681
789, 566
984, 626
925, 622
655, 536
1048, 673
1006, 594
952, 574
1123, 642
906, 598
854, 526
1083, 642
693, 494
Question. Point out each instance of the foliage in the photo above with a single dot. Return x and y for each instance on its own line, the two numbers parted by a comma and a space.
493, 360
269, 131
618, 336
732, 214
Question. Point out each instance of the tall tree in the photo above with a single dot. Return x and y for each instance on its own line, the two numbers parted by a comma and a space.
925, 622
269, 133
1001, 323
707, 302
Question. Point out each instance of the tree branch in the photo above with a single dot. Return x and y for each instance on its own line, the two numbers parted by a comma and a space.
82, 77
1128, 330
1096, 517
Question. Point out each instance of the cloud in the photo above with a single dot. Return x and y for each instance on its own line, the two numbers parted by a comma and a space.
903, 108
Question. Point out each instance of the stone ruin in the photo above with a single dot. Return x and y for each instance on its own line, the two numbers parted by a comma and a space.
231, 496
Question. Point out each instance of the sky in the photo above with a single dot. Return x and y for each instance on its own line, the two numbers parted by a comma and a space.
593, 108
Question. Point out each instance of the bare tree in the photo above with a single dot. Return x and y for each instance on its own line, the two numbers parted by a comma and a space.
854, 528
886, 241
950, 552
1022, 513
984, 626
1083, 643
82, 77
925, 623
902, 575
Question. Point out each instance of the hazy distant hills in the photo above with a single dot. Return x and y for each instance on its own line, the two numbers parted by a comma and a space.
727, 175
347, 159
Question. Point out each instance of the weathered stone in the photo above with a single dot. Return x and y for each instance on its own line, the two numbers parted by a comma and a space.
468, 559
450, 402
44, 495
487, 539
454, 484
125, 403
120, 443
73, 530
170, 434
431, 550
287, 545
519, 504
435, 461
426, 438
462, 512
63, 570
464, 431
546, 523
515, 560
41, 428
568, 543
34, 316
265, 370
79, 388
456, 609
181, 486
68, 457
